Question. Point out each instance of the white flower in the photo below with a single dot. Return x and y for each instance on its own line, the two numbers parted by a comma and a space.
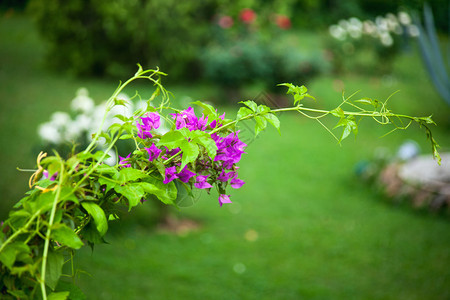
413, 31
386, 39
369, 27
337, 32
355, 32
404, 18
82, 102
83, 122
49, 133
75, 128
382, 23
97, 117
344, 24
355, 22
60, 119
392, 23
73, 131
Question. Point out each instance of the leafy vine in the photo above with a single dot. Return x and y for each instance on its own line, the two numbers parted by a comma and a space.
71, 201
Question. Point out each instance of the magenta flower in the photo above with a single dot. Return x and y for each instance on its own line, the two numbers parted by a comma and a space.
185, 175
123, 161
171, 174
229, 149
224, 199
149, 121
201, 183
236, 183
202, 123
226, 176
153, 152
186, 118
152, 120
52, 178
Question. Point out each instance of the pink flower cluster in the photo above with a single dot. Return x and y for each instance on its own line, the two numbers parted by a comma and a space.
203, 173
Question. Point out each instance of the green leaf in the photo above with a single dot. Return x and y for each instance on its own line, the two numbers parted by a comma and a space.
368, 101
299, 92
126, 175
98, 215
44, 202
166, 193
91, 234
53, 168
293, 89
260, 125
55, 262
121, 102
123, 118
208, 110
75, 291
160, 166
209, 144
73, 162
250, 104
133, 192
171, 139
243, 112
273, 119
110, 183
364, 101
68, 195
262, 109
349, 125
126, 136
116, 127
18, 218
190, 152
66, 236
58, 295
98, 155
298, 98
338, 112
105, 136
105, 169
11, 251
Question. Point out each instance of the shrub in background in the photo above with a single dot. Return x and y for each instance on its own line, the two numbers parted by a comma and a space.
109, 37
253, 47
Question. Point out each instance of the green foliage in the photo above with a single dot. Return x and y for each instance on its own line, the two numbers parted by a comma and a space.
103, 37
263, 51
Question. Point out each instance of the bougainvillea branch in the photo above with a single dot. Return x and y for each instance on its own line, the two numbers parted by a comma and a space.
71, 201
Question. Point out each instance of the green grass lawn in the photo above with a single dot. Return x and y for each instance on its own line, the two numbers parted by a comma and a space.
302, 227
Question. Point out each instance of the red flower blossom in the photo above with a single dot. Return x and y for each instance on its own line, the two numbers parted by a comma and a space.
247, 16
283, 22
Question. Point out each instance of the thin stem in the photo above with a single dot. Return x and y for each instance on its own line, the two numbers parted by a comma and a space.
21, 229
100, 161
49, 230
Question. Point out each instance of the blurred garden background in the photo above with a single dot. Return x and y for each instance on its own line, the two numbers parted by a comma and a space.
305, 225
